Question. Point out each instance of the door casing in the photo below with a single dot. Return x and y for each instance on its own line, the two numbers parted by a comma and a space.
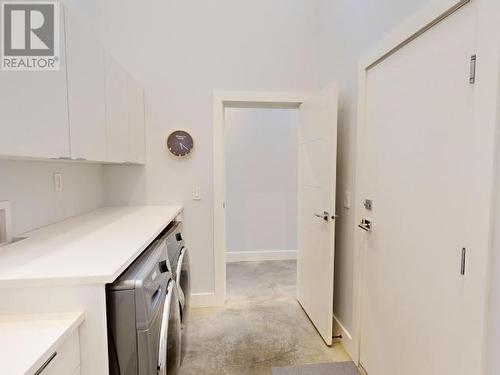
222, 100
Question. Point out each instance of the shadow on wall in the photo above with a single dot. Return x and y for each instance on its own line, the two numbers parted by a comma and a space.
124, 185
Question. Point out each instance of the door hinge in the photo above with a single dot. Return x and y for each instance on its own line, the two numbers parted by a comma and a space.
472, 74
463, 261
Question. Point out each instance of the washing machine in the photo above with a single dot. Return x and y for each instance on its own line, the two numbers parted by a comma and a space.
144, 317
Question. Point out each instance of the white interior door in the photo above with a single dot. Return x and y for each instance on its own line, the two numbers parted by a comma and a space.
426, 172
317, 153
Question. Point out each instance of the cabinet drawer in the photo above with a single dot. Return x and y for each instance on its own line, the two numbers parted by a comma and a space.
66, 359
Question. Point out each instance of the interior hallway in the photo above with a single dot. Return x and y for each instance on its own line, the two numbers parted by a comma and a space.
260, 327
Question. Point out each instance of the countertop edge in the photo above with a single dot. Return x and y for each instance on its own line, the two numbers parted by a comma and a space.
94, 279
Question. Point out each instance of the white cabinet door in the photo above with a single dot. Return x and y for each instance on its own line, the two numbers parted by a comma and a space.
34, 112
136, 122
86, 98
117, 117
66, 358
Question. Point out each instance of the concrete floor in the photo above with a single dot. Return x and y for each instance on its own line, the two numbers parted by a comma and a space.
261, 326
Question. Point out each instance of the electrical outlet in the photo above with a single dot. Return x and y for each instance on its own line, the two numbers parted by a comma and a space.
196, 193
58, 182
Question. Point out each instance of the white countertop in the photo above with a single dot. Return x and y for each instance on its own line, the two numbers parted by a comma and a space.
94, 248
27, 341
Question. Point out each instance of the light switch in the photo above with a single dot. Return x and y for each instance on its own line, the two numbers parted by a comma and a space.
196, 193
5, 223
347, 199
58, 183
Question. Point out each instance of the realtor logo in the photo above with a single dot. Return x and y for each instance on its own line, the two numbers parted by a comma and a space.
30, 39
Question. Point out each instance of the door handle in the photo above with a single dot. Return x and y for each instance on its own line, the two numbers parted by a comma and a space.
326, 216
366, 225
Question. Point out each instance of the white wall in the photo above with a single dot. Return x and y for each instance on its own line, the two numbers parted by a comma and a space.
261, 179
181, 51
29, 186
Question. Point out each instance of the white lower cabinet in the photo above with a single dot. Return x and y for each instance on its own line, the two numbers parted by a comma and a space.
65, 360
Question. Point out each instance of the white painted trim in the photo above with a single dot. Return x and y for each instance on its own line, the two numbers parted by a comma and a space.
419, 21
341, 328
487, 113
347, 340
416, 23
260, 255
203, 300
222, 99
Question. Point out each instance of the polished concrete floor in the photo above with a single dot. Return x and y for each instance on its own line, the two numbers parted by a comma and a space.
260, 327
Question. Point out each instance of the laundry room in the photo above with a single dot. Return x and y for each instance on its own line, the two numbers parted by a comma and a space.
237, 187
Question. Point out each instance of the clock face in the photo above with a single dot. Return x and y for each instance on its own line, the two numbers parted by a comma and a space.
180, 143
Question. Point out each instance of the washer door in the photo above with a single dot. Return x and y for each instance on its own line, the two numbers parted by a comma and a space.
183, 279
169, 357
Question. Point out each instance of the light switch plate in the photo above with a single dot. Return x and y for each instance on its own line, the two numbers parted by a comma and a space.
347, 199
5, 223
58, 182
196, 193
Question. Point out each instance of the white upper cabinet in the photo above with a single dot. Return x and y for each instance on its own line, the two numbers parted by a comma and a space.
124, 115
136, 122
86, 98
117, 117
34, 112
91, 109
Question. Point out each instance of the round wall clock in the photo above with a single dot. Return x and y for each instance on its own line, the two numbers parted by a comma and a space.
180, 143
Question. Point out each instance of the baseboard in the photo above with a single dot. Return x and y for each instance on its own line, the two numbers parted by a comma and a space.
346, 340
205, 300
257, 256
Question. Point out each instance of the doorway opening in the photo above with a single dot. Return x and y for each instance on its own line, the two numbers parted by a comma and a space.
236, 102
315, 171
261, 201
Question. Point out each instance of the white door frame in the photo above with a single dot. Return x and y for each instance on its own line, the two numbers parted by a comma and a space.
221, 100
486, 93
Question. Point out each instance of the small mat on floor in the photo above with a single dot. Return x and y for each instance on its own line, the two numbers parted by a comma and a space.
338, 368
